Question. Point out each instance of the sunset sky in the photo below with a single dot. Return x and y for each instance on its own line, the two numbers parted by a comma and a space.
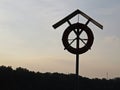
27, 38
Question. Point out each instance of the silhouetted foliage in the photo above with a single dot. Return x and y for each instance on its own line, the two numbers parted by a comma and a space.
23, 79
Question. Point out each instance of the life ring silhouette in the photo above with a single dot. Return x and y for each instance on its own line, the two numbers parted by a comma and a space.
86, 41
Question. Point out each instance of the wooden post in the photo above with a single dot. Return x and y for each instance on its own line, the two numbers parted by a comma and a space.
77, 62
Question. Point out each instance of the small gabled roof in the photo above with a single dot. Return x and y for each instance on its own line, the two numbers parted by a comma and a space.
67, 18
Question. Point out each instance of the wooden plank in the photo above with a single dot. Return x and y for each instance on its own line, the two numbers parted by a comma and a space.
65, 19
91, 20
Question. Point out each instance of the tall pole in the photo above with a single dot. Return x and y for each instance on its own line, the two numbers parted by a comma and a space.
77, 71
77, 62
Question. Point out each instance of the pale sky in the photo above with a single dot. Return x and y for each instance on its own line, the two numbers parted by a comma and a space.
27, 38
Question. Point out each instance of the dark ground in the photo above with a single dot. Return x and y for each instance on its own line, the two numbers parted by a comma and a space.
23, 79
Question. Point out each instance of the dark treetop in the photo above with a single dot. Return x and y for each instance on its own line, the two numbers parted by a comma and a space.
23, 79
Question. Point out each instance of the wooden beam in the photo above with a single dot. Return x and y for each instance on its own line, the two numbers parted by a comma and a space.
67, 18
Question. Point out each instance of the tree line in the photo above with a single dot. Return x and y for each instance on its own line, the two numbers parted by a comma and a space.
23, 79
